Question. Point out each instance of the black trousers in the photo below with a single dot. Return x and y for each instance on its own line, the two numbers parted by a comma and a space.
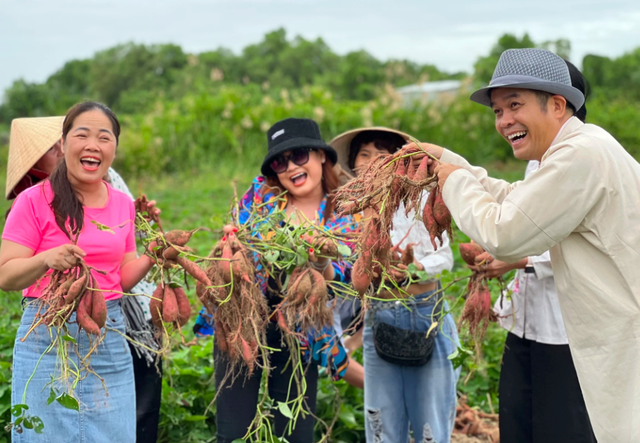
237, 400
148, 397
540, 397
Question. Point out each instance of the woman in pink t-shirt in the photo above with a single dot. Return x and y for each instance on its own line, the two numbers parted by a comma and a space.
36, 241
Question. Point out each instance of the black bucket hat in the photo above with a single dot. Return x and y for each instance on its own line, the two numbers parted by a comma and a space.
293, 133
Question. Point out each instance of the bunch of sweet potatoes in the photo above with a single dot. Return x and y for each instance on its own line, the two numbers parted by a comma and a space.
237, 304
75, 290
305, 303
477, 312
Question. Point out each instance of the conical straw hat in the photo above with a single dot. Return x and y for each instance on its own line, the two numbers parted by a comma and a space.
30, 139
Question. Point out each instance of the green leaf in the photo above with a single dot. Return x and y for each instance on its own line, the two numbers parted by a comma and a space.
102, 227
238, 440
272, 256
459, 356
347, 416
303, 255
284, 410
413, 268
17, 409
69, 338
344, 250
28, 424
68, 401
39, 425
52, 396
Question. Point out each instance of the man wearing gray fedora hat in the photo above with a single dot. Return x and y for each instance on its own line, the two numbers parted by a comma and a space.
582, 204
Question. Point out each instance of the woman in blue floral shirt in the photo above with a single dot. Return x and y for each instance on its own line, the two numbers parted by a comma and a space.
302, 164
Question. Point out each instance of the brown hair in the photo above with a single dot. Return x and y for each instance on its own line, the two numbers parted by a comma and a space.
65, 204
329, 185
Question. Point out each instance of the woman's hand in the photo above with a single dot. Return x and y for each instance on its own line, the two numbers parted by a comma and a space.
402, 270
63, 257
147, 208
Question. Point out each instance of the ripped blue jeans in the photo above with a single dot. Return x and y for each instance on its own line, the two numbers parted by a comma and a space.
398, 396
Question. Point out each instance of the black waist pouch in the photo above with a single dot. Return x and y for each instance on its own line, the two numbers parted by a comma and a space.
403, 347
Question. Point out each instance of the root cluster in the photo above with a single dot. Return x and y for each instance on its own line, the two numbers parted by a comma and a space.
475, 423
237, 304
75, 290
477, 312
388, 182
306, 302
169, 302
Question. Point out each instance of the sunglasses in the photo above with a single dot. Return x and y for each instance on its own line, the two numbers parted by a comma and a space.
299, 157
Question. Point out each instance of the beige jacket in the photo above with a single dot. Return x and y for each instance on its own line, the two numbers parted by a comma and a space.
584, 205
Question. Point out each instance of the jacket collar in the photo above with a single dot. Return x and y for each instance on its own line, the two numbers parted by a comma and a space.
570, 126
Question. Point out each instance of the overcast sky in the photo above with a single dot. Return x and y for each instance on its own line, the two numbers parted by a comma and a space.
38, 36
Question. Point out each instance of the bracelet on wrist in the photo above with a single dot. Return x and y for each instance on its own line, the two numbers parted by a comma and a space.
320, 268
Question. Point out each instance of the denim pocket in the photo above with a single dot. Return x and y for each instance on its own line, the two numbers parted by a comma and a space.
31, 308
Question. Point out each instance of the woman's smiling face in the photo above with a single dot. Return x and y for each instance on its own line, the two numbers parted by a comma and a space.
303, 180
90, 147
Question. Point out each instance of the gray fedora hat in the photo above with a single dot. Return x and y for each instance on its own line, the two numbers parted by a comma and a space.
531, 68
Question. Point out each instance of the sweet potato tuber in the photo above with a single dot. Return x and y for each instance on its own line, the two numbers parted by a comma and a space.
184, 307
194, 270
169, 305
178, 237
63, 289
441, 212
76, 289
225, 263
98, 308
423, 170
469, 252
429, 220
84, 319
360, 278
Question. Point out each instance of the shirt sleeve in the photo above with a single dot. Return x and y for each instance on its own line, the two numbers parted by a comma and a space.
22, 226
542, 265
434, 260
540, 212
498, 189
243, 212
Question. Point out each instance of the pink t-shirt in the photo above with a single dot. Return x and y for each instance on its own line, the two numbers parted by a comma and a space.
32, 223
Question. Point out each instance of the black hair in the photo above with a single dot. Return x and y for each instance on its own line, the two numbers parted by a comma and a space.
579, 82
388, 141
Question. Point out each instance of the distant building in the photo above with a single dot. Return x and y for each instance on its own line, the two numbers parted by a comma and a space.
444, 90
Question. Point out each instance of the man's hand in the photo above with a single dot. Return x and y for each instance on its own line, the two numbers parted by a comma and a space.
492, 268
423, 149
443, 170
